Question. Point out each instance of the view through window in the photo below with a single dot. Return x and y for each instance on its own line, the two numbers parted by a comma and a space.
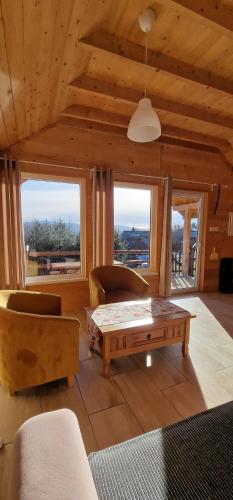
132, 226
51, 222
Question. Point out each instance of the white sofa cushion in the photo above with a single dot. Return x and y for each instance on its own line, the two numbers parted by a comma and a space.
50, 461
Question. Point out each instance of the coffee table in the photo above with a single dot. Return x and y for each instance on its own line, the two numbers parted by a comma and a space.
130, 327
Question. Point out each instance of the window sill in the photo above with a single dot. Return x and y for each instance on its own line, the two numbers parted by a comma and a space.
40, 280
146, 272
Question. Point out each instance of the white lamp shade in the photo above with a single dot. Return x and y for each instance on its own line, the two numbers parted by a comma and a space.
144, 125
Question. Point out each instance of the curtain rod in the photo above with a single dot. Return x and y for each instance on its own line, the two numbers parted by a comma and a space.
212, 184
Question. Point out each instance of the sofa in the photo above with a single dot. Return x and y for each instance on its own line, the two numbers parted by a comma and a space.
191, 459
37, 344
110, 284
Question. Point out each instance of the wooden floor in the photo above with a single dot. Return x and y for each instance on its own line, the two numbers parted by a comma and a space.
144, 392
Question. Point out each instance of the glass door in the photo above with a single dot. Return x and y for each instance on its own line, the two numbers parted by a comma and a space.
186, 234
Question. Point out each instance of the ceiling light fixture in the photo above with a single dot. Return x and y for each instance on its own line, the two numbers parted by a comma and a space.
144, 125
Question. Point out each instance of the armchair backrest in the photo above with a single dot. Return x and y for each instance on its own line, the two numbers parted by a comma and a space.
30, 302
113, 277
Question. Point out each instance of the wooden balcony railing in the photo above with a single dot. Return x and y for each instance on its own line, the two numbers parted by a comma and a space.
177, 262
132, 258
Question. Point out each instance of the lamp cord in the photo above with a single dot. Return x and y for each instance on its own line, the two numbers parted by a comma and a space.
146, 50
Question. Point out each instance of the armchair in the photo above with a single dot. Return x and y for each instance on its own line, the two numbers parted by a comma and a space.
116, 284
37, 345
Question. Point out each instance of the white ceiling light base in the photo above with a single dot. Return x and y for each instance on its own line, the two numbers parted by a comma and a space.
144, 125
146, 20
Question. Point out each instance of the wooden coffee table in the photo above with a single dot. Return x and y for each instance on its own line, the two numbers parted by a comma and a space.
130, 327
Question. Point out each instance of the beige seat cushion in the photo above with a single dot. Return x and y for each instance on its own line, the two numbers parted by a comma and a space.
50, 461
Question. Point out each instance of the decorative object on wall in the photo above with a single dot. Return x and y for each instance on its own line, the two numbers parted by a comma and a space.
144, 125
214, 255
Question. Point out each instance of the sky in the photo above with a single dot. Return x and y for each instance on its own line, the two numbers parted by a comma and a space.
46, 200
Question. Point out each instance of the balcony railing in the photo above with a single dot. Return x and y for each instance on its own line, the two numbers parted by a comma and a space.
177, 262
134, 259
52, 263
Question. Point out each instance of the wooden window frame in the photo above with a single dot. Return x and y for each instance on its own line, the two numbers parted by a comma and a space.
37, 280
153, 221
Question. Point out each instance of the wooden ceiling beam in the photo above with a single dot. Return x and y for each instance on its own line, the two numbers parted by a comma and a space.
116, 92
212, 13
100, 116
108, 128
102, 41
96, 115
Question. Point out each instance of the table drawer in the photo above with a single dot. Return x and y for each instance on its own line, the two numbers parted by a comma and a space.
149, 336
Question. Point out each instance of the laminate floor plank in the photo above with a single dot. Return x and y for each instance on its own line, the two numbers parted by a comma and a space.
114, 425
98, 392
147, 403
159, 369
55, 396
5, 470
14, 410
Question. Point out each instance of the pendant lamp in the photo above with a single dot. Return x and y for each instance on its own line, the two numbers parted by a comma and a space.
144, 125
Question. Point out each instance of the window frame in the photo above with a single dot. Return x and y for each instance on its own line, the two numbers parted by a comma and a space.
153, 221
37, 280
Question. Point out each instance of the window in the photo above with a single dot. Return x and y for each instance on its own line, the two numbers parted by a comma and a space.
133, 226
53, 229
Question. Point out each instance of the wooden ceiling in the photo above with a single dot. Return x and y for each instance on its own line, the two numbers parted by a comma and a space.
81, 61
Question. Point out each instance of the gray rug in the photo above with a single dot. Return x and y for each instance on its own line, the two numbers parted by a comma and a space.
192, 460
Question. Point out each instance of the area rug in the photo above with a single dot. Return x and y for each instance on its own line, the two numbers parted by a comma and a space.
192, 459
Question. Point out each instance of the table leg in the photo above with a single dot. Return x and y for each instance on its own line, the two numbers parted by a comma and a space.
106, 368
106, 356
185, 345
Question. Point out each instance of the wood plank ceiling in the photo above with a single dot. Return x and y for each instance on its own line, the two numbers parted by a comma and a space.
81, 62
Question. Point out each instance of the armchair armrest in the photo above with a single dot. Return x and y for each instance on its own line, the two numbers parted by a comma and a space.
137, 284
97, 293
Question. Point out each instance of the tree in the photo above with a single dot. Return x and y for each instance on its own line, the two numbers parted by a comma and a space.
45, 236
120, 244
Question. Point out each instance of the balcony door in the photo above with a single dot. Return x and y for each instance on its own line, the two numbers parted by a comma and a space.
187, 224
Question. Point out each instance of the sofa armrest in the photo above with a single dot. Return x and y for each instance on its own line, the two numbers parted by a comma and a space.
97, 293
49, 460
32, 302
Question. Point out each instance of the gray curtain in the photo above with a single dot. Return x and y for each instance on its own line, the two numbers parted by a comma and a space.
166, 250
12, 268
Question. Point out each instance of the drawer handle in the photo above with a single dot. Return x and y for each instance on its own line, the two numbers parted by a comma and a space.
148, 336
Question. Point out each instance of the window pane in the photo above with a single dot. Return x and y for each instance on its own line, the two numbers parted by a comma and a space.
51, 221
132, 227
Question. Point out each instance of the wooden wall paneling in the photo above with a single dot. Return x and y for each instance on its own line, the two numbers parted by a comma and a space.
6, 98
3, 133
74, 294
13, 23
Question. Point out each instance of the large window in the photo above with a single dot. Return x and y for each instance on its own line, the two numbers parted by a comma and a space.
53, 231
133, 226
